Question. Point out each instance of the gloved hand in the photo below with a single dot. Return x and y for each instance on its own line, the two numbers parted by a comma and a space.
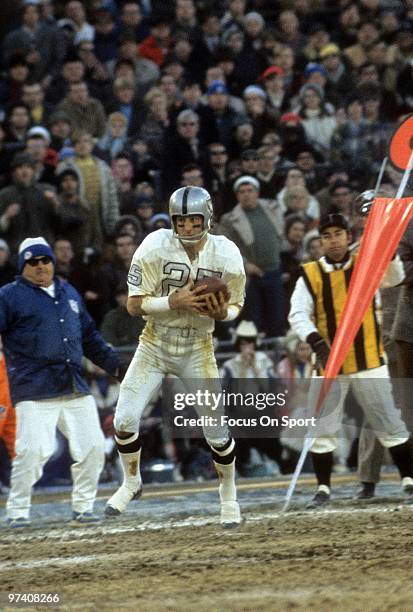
319, 346
364, 202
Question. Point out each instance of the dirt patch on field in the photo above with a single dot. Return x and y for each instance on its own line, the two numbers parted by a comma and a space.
345, 560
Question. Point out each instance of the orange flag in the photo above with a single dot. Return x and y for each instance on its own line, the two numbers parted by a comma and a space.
387, 221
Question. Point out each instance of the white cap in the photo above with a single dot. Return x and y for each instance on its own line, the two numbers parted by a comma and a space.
246, 179
29, 242
255, 89
247, 329
39, 130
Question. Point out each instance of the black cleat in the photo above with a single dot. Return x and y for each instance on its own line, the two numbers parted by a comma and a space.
320, 499
366, 491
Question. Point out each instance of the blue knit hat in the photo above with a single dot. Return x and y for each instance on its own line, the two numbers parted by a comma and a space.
34, 247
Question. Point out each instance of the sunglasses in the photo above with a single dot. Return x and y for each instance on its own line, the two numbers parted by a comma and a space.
35, 262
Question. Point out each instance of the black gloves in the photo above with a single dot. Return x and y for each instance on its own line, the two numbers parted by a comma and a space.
319, 346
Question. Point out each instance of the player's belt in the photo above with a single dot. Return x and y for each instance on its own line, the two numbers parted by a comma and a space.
181, 332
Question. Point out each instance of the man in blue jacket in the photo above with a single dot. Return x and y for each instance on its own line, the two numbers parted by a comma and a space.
46, 331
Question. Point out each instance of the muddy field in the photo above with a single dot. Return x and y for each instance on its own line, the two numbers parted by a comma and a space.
351, 557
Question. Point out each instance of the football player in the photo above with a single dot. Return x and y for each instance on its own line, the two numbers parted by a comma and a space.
177, 338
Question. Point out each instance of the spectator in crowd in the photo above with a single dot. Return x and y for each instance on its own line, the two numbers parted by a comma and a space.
122, 170
242, 138
146, 71
155, 122
86, 113
97, 75
270, 166
256, 367
96, 182
7, 270
367, 33
272, 80
116, 271
312, 246
181, 148
217, 176
307, 161
64, 257
155, 47
129, 224
78, 222
33, 97
319, 121
257, 227
17, 125
75, 12
118, 327
73, 71
192, 175
339, 79
341, 198
249, 162
145, 208
317, 37
26, 206
292, 134
160, 221
257, 111
45, 380
131, 19
13, 80
206, 44
221, 117
44, 159
106, 34
295, 178
297, 202
125, 102
115, 138
39, 42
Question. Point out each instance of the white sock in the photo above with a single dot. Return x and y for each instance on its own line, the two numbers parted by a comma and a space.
226, 475
323, 489
130, 463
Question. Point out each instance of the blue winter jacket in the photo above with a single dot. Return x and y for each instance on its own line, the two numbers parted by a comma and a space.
45, 338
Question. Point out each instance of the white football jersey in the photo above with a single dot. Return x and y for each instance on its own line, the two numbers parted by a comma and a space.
161, 265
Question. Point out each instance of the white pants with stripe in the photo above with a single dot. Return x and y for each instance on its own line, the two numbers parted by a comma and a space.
77, 418
184, 353
376, 400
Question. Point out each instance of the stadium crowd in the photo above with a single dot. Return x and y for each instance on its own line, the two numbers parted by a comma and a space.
282, 110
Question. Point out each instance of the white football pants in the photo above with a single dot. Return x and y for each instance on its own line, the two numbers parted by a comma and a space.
183, 352
376, 400
77, 418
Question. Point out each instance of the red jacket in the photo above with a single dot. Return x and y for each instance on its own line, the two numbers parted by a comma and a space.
150, 49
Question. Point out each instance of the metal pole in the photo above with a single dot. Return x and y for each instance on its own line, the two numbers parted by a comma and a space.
308, 441
405, 178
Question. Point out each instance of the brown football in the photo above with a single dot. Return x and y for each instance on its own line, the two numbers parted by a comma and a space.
213, 285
